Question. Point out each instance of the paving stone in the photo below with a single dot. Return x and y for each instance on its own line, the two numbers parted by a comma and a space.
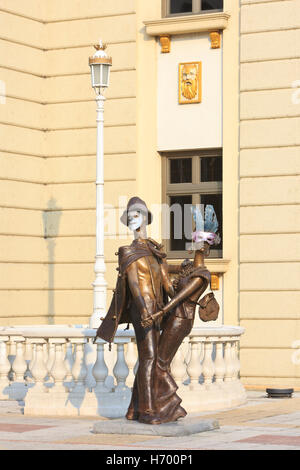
108, 439
266, 409
273, 439
11, 427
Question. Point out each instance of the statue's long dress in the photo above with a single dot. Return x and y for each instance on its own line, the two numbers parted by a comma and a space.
176, 326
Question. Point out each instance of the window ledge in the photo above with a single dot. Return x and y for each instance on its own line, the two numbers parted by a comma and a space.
217, 265
205, 22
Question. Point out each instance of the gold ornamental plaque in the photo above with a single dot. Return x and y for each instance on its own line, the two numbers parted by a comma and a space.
190, 82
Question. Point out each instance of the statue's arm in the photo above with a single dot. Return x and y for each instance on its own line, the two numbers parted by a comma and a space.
182, 295
133, 282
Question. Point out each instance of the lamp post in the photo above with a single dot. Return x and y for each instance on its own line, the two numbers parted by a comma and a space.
100, 65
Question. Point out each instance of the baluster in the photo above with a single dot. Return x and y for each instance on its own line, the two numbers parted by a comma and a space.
33, 358
90, 357
131, 357
39, 369
79, 369
11, 356
194, 368
46, 352
50, 360
58, 370
120, 370
208, 365
236, 384
100, 369
238, 361
178, 367
69, 362
4, 368
185, 348
220, 367
18, 388
228, 361
235, 360
28, 358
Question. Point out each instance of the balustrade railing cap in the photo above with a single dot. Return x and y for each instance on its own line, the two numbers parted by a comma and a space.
10, 331
57, 331
222, 330
69, 332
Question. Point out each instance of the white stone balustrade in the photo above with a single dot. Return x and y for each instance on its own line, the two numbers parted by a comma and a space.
47, 367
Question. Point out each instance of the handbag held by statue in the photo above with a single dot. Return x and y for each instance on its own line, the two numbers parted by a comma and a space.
208, 308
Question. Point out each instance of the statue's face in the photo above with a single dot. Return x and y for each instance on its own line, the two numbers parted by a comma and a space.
189, 81
135, 220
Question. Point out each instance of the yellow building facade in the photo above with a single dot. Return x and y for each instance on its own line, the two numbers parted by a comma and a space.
48, 156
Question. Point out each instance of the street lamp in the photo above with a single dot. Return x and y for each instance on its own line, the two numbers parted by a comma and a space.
100, 65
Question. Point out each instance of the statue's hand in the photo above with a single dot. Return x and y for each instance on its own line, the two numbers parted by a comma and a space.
146, 322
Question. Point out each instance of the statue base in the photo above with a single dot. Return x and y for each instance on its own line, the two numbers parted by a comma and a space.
182, 427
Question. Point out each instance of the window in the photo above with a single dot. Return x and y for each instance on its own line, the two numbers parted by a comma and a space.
188, 7
190, 178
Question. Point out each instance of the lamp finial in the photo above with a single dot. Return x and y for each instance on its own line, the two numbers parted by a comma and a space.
101, 46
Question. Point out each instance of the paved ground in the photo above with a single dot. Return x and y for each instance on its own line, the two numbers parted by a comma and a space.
261, 424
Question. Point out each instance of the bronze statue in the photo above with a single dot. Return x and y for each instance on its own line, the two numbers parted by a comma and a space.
142, 288
141, 298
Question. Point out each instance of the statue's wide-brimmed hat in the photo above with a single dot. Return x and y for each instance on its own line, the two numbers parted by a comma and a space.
136, 204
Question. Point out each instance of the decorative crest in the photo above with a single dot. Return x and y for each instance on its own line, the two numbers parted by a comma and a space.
101, 46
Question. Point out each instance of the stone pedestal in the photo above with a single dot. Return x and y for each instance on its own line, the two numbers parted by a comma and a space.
182, 427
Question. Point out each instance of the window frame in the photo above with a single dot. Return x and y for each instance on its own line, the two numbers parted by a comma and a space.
197, 10
195, 189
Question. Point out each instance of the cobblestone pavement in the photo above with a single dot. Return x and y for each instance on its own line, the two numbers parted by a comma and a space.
261, 424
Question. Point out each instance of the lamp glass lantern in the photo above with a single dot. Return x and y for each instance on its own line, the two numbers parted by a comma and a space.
100, 65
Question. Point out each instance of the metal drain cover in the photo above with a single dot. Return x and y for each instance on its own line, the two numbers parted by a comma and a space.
280, 392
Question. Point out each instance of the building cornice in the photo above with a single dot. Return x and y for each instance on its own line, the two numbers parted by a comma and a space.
187, 24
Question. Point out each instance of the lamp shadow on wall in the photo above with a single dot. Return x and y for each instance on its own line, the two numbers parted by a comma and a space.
51, 221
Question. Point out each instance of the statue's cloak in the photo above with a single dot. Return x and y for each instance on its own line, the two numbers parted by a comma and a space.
122, 301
